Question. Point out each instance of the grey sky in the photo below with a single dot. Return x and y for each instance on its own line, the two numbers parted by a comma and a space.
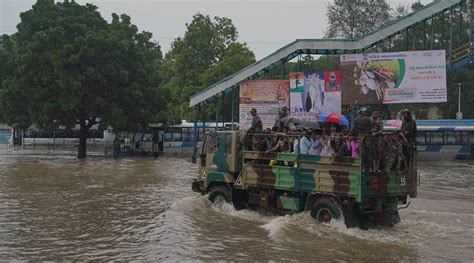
265, 25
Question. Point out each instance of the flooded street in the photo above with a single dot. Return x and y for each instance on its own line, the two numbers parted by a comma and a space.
55, 208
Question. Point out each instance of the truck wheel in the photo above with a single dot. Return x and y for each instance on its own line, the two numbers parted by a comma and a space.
326, 209
219, 194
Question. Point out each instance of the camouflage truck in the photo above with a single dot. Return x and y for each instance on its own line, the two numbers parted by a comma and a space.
327, 187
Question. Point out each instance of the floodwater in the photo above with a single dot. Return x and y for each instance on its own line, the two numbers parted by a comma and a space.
61, 208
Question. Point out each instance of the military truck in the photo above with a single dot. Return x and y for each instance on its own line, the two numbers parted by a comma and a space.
329, 188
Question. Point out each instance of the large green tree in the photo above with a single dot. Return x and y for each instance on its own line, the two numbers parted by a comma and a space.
208, 52
73, 67
354, 18
12, 111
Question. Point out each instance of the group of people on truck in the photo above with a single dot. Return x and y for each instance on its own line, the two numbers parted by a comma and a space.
366, 139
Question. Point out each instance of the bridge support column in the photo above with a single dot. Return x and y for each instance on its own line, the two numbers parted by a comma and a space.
432, 34
442, 30
471, 27
232, 111
424, 34
195, 135
217, 113
450, 37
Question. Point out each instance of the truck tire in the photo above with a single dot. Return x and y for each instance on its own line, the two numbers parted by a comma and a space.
326, 209
220, 194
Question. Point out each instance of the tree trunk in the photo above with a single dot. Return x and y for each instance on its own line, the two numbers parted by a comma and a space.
82, 151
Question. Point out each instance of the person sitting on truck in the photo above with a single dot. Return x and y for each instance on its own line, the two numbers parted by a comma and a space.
281, 145
305, 143
267, 142
326, 149
338, 144
316, 143
296, 141
353, 147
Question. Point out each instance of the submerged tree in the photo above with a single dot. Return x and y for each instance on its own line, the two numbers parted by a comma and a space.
354, 18
72, 67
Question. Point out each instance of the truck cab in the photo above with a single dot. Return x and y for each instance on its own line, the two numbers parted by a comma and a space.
327, 187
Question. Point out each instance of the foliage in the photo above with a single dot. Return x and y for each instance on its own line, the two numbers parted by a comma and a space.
72, 67
465, 76
399, 11
354, 18
7, 87
208, 52
435, 34
432, 34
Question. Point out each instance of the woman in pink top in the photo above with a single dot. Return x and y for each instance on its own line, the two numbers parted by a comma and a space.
353, 147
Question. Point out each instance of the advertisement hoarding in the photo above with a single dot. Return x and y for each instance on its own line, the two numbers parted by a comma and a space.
395, 77
319, 93
267, 96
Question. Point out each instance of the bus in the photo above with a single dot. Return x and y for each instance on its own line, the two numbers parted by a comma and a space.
443, 139
179, 139
174, 139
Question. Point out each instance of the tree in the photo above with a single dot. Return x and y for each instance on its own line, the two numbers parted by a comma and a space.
208, 52
72, 67
399, 11
354, 18
465, 76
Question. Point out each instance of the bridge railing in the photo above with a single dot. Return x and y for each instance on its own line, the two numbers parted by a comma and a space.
460, 52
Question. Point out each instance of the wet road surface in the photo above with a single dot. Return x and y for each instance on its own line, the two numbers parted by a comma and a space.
54, 208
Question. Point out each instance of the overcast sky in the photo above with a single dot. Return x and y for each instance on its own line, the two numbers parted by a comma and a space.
265, 25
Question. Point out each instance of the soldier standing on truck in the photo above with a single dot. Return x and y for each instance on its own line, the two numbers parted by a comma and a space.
360, 128
256, 126
393, 152
409, 131
282, 119
375, 141
361, 125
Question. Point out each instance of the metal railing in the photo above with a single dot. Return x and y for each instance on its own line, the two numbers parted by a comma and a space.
460, 52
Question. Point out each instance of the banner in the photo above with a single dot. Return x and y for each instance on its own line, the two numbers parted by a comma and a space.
267, 96
320, 93
296, 91
397, 77
332, 81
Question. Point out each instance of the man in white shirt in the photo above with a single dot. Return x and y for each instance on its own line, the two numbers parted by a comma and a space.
305, 143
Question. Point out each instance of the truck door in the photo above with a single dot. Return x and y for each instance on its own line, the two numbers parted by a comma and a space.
217, 147
210, 148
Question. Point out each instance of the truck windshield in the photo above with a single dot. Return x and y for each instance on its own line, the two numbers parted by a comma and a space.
211, 143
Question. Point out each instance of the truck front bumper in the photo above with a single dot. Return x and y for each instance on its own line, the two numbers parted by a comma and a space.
197, 186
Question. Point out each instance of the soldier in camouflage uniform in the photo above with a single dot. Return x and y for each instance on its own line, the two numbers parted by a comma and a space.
409, 131
281, 121
374, 141
252, 138
361, 125
393, 153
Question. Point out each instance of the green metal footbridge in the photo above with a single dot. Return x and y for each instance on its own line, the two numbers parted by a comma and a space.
445, 24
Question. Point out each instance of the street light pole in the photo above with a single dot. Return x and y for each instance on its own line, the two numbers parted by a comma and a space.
459, 113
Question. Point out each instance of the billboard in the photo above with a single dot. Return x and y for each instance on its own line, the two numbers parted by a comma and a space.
267, 96
296, 100
319, 93
396, 77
